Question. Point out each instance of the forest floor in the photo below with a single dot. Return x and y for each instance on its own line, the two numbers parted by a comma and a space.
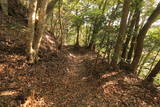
67, 78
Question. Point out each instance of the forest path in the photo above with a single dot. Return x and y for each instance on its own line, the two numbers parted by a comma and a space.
79, 88
63, 79
58, 79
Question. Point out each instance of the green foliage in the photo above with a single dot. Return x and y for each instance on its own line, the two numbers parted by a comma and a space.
151, 45
77, 20
153, 38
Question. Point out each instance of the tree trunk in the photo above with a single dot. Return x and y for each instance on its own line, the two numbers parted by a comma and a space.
141, 36
133, 21
154, 60
31, 26
121, 35
133, 41
153, 73
36, 30
145, 59
61, 38
93, 35
4, 6
40, 26
130, 18
78, 34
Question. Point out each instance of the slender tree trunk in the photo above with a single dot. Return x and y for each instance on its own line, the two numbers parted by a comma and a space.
124, 52
153, 73
61, 27
31, 26
141, 36
154, 60
86, 35
130, 18
78, 34
133, 41
104, 6
152, 64
4, 6
121, 35
40, 27
145, 59
93, 35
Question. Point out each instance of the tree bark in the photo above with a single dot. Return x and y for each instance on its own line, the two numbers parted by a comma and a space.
36, 28
95, 31
133, 41
61, 38
154, 60
145, 59
40, 25
31, 26
141, 36
121, 35
131, 28
153, 73
78, 34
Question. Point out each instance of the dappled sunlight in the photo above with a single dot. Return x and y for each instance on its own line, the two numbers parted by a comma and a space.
119, 92
8, 93
109, 74
71, 55
109, 83
49, 39
48, 43
131, 79
2, 67
31, 102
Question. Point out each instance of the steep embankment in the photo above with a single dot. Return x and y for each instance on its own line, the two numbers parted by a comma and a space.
66, 78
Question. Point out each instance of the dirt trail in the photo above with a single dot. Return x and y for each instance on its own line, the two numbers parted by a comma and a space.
78, 87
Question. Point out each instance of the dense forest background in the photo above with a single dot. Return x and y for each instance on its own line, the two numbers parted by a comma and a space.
122, 35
